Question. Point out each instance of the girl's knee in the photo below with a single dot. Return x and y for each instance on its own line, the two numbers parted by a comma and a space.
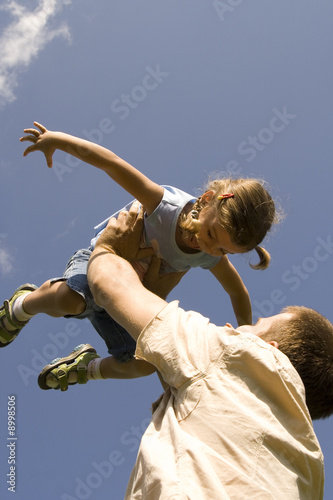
69, 301
72, 300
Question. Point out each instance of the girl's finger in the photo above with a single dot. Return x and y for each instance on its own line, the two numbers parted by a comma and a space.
31, 138
41, 127
29, 149
35, 133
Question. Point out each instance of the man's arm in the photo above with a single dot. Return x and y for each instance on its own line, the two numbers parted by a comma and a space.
113, 282
132, 180
117, 289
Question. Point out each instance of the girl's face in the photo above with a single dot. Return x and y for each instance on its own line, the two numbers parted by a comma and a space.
212, 238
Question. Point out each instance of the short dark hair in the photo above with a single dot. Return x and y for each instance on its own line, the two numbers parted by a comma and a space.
307, 339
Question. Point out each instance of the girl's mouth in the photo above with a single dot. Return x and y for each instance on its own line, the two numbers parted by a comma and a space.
193, 242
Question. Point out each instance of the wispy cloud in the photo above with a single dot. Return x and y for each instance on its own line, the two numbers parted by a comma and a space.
6, 262
24, 38
66, 231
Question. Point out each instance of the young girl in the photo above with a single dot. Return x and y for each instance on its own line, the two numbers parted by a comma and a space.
231, 216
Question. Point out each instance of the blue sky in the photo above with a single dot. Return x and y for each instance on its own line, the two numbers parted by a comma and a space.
180, 89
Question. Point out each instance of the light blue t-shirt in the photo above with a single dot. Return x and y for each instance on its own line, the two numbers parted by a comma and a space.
160, 233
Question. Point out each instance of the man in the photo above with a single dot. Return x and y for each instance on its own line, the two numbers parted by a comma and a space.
233, 422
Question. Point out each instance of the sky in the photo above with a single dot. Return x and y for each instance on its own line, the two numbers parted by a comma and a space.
181, 89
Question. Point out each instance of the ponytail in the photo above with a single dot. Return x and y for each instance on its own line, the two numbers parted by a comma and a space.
264, 257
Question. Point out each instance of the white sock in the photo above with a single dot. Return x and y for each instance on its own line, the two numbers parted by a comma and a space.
18, 309
94, 369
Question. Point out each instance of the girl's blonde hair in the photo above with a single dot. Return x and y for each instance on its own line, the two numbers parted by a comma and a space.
247, 215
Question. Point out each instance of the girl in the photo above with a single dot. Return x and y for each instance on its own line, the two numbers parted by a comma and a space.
231, 216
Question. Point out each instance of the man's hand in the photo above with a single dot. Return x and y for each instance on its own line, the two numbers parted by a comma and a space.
122, 236
161, 285
113, 282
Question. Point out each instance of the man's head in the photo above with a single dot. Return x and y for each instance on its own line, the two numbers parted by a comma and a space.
306, 337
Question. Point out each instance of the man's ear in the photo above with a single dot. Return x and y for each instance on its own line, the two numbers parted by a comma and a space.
274, 343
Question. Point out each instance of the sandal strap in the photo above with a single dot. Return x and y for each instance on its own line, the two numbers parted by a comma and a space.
81, 373
62, 377
10, 333
63, 371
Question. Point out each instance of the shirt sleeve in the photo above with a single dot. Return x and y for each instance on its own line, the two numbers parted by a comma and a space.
182, 345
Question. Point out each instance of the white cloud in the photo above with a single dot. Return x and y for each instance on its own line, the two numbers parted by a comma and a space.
6, 262
24, 38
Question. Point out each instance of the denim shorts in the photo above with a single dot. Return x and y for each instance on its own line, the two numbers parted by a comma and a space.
118, 341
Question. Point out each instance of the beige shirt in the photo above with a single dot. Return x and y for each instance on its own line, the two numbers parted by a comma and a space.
234, 423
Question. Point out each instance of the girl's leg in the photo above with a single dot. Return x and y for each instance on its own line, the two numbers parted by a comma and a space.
110, 367
55, 299
64, 371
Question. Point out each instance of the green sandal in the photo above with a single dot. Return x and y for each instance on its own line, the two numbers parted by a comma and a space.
77, 361
6, 311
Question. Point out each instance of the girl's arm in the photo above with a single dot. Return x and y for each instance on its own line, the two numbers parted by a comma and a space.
232, 283
134, 182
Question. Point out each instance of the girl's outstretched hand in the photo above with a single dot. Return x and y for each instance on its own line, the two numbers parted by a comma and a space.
42, 140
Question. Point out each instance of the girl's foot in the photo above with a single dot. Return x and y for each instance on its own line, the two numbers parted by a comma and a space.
70, 370
10, 325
